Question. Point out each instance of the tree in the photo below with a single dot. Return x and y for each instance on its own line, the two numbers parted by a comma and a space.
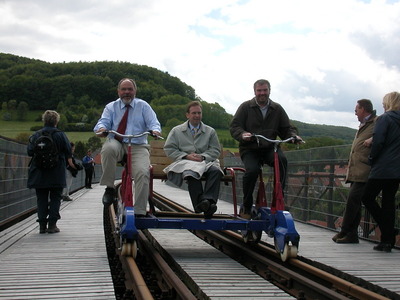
94, 143
22, 111
45, 85
61, 107
80, 150
12, 104
69, 99
63, 122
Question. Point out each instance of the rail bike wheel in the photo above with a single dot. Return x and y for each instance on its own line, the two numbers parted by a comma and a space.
129, 249
250, 236
289, 251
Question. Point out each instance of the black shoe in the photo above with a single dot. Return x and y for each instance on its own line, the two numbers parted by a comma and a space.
67, 198
42, 227
338, 235
385, 247
203, 206
349, 238
109, 196
211, 210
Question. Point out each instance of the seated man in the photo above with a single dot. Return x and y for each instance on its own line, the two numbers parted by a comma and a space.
195, 149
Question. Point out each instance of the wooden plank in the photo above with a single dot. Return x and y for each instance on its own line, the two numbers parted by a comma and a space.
72, 264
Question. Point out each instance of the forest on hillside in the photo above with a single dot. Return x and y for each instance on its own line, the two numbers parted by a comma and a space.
79, 91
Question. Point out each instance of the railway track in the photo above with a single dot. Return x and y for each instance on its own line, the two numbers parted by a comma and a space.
298, 277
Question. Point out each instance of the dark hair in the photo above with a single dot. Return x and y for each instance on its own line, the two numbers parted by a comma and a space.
192, 103
366, 104
261, 82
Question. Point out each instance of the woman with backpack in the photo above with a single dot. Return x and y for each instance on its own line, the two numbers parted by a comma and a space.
50, 150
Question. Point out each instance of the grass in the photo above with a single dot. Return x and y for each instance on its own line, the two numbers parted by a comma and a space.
12, 129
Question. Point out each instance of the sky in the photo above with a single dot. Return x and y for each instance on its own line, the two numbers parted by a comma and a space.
320, 56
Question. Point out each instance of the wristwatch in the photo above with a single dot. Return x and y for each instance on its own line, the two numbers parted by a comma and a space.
203, 157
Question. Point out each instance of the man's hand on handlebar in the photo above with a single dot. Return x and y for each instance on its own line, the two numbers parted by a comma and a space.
101, 132
156, 134
247, 136
297, 140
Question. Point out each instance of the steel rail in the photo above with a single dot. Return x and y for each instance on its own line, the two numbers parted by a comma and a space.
169, 276
136, 282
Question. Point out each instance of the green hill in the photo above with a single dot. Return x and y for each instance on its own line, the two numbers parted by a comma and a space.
319, 131
79, 91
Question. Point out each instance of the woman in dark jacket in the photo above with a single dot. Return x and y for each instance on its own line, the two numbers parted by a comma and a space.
385, 171
49, 183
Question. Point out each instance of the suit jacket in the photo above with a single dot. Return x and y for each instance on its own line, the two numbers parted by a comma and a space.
180, 142
248, 118
359, 167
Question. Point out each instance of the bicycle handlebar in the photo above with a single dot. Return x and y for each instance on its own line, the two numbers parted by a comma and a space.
279, 141
130, 136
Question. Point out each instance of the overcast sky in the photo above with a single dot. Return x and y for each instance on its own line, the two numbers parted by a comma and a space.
320, 56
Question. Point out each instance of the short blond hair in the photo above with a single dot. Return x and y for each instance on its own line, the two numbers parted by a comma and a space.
391, 101
50, 118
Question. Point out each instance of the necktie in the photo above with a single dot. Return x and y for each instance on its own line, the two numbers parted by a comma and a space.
195, 131
122, 125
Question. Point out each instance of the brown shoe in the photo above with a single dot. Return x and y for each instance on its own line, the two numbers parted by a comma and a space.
42, 227
52, 228
348, 239
245, 216
338, 235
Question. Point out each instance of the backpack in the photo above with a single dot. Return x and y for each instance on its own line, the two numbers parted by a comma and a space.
46, 154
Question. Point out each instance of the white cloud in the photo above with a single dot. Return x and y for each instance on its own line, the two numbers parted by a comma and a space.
320, 56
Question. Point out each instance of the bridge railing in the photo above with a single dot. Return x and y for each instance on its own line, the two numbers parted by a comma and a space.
315, 193
16, 199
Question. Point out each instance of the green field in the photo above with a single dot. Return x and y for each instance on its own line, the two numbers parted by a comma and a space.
12, 129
